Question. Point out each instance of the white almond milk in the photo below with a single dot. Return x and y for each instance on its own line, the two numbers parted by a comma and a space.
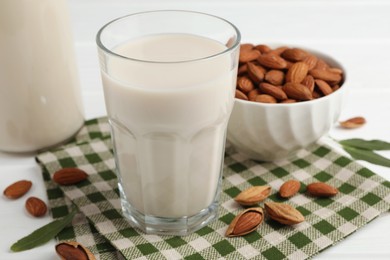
40, 102
169, 121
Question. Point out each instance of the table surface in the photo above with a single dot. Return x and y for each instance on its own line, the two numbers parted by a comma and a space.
356, 32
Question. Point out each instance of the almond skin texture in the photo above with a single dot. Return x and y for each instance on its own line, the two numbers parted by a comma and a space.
283, 213
272, 90
255, 73
321, 189
249, 55
242, 69
245, 222
297, 72
17, 189
69, 176
289, 188
324, 87
246, 46
253, 94
73, 250
272, 61
294, 54
311, 61
245, 84
354, 122
253, 195
308, 81
240, 95
263, 48
297, 91
275, 77
36, 207
264, 98
325, 75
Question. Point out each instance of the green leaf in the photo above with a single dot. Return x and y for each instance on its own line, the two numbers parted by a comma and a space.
366, 155
43, 234
366, 144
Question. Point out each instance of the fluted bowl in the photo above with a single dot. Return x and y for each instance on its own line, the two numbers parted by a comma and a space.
269, 132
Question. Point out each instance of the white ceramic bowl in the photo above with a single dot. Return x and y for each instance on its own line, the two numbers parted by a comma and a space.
269, 132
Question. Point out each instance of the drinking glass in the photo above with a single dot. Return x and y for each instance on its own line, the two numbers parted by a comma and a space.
169, 81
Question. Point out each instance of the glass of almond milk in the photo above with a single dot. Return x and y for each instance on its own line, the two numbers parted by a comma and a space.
169, 80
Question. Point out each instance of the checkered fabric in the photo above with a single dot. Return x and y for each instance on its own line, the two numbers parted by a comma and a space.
363, 196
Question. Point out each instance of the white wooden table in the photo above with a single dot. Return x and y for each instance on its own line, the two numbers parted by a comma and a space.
356, 32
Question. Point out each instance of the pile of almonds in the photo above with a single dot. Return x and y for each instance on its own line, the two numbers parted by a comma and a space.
284, 75
250, 219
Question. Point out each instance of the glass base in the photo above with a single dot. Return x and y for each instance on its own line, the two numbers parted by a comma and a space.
169, 226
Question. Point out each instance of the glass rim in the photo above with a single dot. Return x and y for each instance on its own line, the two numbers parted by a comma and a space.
107, 50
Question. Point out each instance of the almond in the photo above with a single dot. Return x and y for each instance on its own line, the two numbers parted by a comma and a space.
255, 73
287, 101
272, 61
283, 213
289, 188
242, 69
253, 195
240, 95
294, 54
73, 250
253, 94
272, 90
354, 122
311, 61
324, 87
263, 48
325, 75
335, 87
297, 72
69, 176
246, 47
245, 222
249, 55
321, 189
316, 94
321, 65
336, 70
245, 84
36, 207
297, 91
308, 81
275, 77
17, 189
264, 98
278, 51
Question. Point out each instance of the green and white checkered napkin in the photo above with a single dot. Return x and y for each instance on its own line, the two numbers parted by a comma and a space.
101, 227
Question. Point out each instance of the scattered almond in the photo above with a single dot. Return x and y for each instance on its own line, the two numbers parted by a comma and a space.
289, 188
354, 122
69, 176
73, 250
17, 189
321, 189
253, 195
283, 213
245, 222
36, 207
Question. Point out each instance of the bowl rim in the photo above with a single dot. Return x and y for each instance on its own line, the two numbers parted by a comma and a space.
334, 62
